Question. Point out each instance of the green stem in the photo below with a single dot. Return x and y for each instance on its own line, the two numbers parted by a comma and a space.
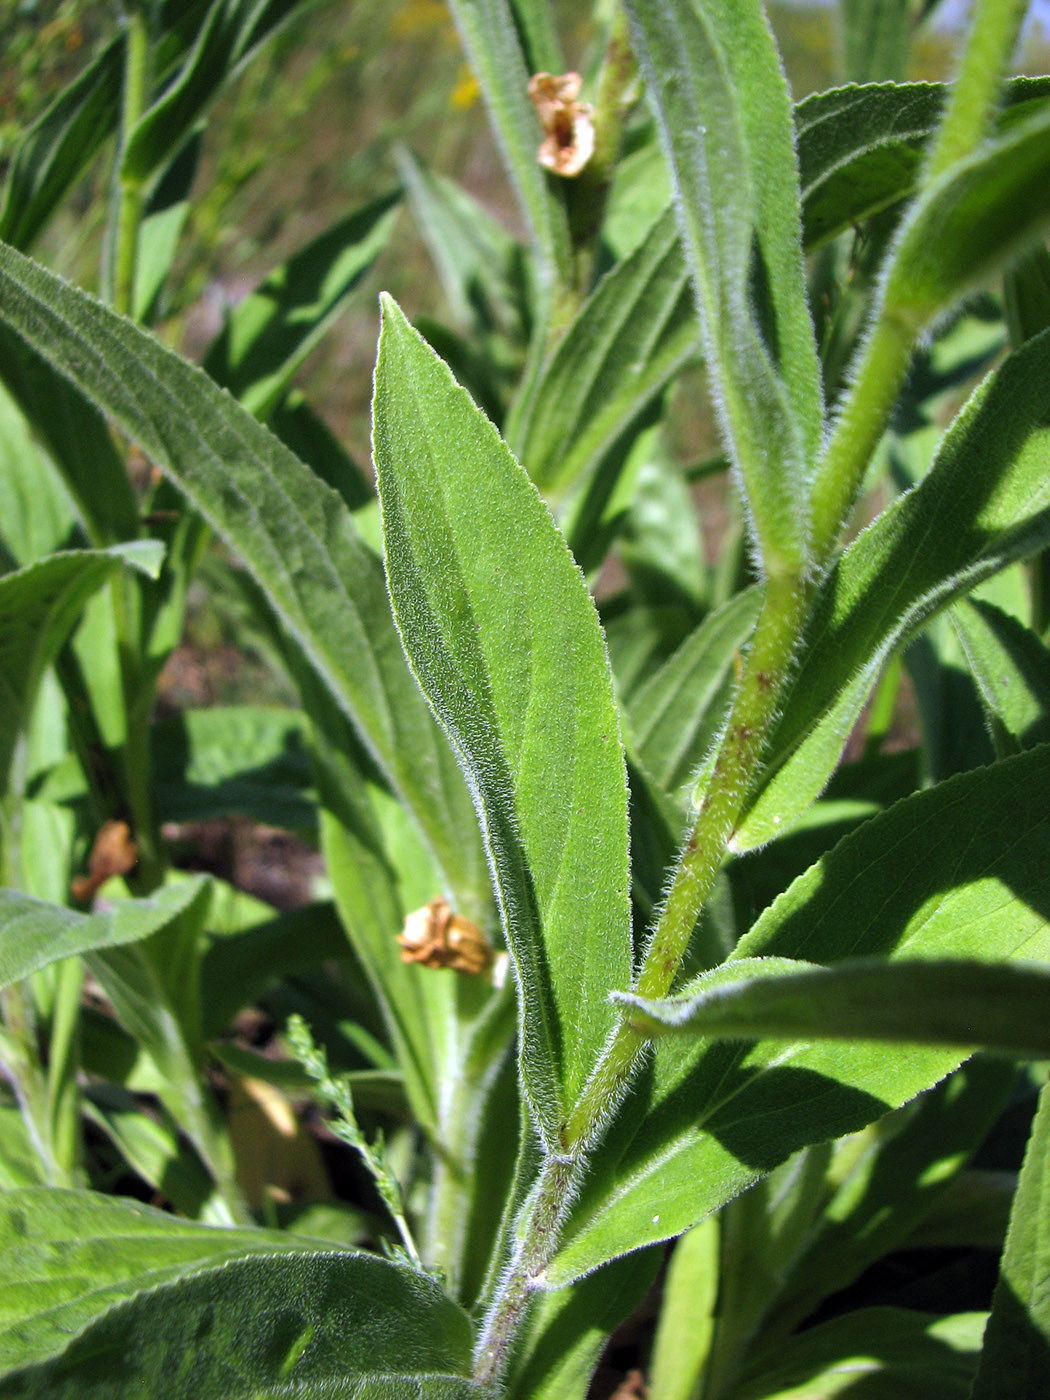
838, 479
129, 189
860, 425
975, 92
767, 663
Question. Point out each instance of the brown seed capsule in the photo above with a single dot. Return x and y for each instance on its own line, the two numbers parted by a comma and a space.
568, 141
436, 937
113, 853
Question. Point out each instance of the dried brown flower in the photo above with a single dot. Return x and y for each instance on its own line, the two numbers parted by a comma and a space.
436, 937
568, 125
113, 853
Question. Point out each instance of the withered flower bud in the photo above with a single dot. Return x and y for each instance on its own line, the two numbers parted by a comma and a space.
436, 937
568, 142
113, 853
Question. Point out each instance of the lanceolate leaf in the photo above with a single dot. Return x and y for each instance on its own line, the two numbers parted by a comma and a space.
270, 332
633, 334
860, 147
940, 1002
39, 606
984, 503
229, 36
971, 221
34, 933
490, 36
1016, 1348
953, 872
59, 145
293, 532
504, 639
1011, 668
111, 1299
722, 105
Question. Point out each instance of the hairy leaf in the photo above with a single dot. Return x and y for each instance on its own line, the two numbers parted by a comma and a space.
943, 1002
504, 639
294, 533
984, 503
952, 872
722, 105
112, 1299
34, 933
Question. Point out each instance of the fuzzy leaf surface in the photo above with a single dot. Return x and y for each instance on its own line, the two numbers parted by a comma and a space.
984, 503
944, 1002
721, 102
107, 1298
957, 871
635, 331
971, 221
504, 639
295, 535
34, 933
860, 147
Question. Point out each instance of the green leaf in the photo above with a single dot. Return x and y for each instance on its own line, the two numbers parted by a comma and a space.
175, 1308
479, 264
943, 1002
60, 144
984, 503
231, 34
687, 1310
677, 713
969, 222
248, 759
153, 1148
1011, 667
237, 968
34, 933
270, 332
39, 606
294, 534
505, 641
568, 1330
78, 440
878, 1351
160, 229
491, 38
875, 36
957, 871
36, 514
721, 102
1016, 1352
897, 1172
633, 334
860, 148
658, 539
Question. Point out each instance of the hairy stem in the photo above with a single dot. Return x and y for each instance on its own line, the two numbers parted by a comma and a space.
129, 190
975, 92
767, 663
